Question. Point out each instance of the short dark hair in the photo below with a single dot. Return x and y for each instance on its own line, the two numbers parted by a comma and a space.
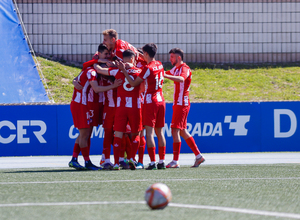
140, 50
177, 51
151, 49
128, 53
102, 48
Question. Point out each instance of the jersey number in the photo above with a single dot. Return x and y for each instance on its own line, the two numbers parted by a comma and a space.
127, 86
159, 80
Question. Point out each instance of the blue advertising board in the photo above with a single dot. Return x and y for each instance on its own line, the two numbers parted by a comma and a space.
279, 125
216, 127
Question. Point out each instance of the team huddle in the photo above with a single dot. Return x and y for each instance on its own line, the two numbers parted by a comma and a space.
121, 89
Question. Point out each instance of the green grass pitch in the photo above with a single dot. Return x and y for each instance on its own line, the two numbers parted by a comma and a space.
209, 192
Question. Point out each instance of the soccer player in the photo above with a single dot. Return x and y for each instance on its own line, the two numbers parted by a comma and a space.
154, 104
117, 46
84, 114
110, 103
128, 107
181, 75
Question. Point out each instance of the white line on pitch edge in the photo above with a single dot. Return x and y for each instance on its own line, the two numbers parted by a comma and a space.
216, 208
146, 180
238, 210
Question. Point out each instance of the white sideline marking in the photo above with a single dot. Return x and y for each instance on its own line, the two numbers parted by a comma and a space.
238, 210
217, 208
150, 180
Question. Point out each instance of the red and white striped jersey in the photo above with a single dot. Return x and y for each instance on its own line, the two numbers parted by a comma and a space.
87, 94
81, 96
153, 75
181, 89
127, 96
110, 96
93, 96
121, 46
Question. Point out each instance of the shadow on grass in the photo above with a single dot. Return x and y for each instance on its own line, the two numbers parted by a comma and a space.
49, 171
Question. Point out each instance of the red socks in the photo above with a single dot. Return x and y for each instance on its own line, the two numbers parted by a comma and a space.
76, 150
107, 142
135, 143
151, 152
176, 150
128, 146
162, 152
117, 145
85, 153
122, 147
142, 149
191, 143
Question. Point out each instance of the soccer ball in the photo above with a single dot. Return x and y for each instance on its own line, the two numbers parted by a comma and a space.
158, 195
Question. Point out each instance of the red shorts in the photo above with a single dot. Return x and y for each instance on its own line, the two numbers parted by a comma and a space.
154, 114
125, 115
179, 117
96, 112
80, 114
108, 116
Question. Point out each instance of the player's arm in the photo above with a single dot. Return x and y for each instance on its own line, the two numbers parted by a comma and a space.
132, 82
168, 75
97, 88
76, 83
101, 70
103, 61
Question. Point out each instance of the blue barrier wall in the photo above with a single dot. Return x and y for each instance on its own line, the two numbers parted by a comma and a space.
216, 127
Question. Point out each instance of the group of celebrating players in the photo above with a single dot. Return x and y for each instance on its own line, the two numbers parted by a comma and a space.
121, 88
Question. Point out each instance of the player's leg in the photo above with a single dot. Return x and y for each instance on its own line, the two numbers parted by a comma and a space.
120, 122
107, 142
176, 148
122, 163
192, 144
108, 124
74, 161
134, 117
128, 145
150, 147
161, 148
160, 123
135, 143
141, 151
116, 147
80, 121
84, 135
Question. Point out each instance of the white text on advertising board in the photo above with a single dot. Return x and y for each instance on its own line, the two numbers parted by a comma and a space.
20, 131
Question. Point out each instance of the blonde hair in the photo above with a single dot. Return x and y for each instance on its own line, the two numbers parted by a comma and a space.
111, 33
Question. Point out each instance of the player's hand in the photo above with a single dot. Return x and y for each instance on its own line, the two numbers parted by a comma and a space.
129, 65
96, 56
110, 64
117, 83
77, 85
120, 65
141, 56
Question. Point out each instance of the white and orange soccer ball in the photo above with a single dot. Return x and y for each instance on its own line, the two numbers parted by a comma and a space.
158, 196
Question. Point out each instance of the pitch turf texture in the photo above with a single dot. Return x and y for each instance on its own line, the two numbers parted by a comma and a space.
208, 192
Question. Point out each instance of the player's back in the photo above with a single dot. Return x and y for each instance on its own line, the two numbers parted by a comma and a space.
110, 96
127, 96
153, 74
121, 46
